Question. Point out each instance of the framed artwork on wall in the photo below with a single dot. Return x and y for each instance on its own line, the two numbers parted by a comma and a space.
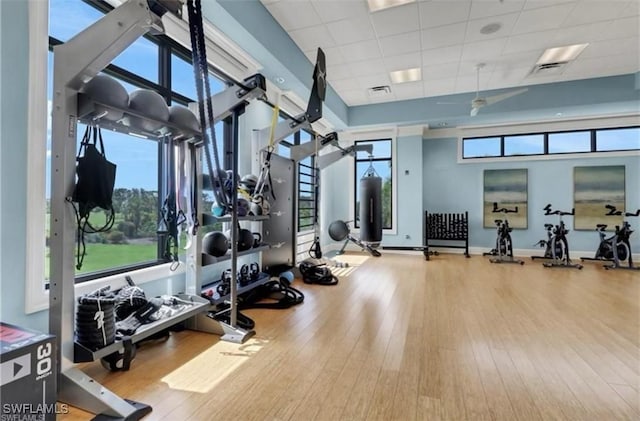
593, 189
508, 189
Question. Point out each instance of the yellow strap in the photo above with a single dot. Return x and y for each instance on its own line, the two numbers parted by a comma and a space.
274, 123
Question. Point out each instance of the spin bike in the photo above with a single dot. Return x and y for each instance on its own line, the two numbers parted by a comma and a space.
556, 245
617, 248
504, 247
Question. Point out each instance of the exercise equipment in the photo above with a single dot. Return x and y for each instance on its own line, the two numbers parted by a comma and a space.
339, 231
150, 104
504, 246
215, 244
314, 272
106, 90
183, 117
448, 227
371, 207
617, 248
556, 245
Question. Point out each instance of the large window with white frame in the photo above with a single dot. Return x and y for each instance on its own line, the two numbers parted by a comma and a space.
155, 63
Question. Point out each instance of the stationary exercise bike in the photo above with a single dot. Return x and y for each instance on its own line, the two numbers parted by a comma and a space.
556, 245
617, 248
504, 247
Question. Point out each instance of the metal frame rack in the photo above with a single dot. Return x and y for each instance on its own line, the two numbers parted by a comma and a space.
447, 227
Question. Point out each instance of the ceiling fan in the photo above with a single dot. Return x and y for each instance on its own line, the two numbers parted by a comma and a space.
479, 102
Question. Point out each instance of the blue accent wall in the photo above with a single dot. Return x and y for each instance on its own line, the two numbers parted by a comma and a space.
452, 187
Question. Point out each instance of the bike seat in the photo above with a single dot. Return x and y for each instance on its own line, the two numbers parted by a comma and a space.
548, 226
601, 227
497, 221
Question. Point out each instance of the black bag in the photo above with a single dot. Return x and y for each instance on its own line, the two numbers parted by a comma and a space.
96, 175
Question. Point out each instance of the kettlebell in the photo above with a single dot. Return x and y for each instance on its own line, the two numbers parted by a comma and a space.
245, 239
257, 239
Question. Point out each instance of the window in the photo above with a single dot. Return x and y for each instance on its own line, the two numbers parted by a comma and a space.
524, 145
551, 143
478, 148
570, 142
381, 162
133, 241
618, 139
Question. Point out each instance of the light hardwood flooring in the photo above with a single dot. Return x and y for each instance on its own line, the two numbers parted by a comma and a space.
401, 338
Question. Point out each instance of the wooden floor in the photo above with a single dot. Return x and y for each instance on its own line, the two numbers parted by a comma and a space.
404, 339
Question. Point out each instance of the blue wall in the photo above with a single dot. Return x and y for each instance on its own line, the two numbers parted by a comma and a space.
452, 187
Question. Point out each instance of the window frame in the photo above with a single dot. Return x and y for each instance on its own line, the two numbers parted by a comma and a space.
546, 154
40, 44
356, 179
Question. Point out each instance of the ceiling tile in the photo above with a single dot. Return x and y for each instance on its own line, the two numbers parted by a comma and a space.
410, 90
611, 48
580, 34
312, 37
337, 72
470, 68
623, 28
354, 97
633, 9
400, 44
348, 31
380, 79
474, 26
469, 84
367, 67
404, 61
396, 20
294, 15
486, 8
595, 11
359, 51
441, 55
344, 84
332, 10
505, 77
439, 87
483, 51
439, 71
439, 13
537, 20
332, 54
443, 36
535, 4
514, 60
535, 41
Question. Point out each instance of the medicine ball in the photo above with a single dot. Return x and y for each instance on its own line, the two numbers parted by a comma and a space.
215, 244
243, 206
107, 90
245, 239
183, 117
151, 104
338, 230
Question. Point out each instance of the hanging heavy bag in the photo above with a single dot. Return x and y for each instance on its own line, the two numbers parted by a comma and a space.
96, 175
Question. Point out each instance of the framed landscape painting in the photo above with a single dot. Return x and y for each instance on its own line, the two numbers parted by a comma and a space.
507, 188
593, 189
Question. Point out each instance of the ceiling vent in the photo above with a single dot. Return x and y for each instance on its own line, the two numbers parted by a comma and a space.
379, 91
548, 69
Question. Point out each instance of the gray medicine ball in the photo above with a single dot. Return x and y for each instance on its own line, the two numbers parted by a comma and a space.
151, 104
338, 230
215, 244
108, 91
183, 117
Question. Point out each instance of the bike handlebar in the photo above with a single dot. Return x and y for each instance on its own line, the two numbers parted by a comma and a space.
636, 213
503, 210
612, 210
547, 211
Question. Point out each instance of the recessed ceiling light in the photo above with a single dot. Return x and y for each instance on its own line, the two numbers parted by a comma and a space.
407, 75
490, 28
376, 5
561, 54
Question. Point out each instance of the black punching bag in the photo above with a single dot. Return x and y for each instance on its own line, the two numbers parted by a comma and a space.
371, 209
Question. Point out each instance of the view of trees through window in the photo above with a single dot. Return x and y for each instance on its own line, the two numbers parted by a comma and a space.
133, 239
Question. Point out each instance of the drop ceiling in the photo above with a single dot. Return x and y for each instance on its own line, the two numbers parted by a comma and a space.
443, 38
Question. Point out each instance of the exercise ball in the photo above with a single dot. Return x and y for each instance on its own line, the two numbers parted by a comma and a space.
338, 230
108, 91
183, 117
243, 206
215, 244
245, 239
151, 104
